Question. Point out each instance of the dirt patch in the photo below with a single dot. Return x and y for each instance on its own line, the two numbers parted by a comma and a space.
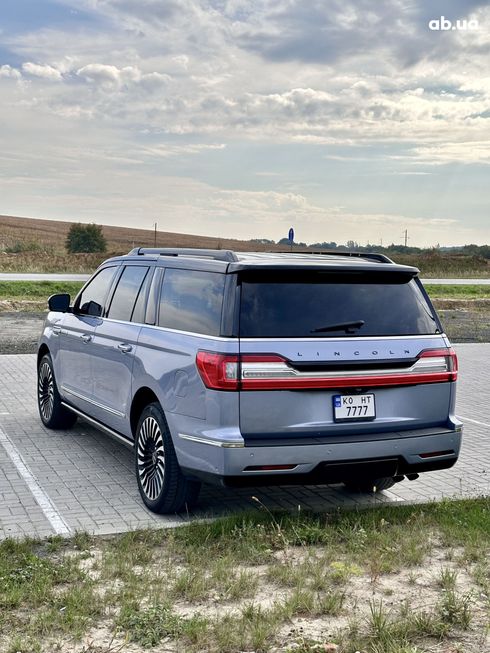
20, 331
482, 304
465, 324
415, 590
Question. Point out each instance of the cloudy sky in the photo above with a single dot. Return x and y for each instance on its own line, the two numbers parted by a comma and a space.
346, 119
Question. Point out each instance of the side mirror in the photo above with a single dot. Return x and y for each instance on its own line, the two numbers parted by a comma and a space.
59, 303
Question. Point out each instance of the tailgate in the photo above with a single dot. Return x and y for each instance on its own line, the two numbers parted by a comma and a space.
296, 396
310, 339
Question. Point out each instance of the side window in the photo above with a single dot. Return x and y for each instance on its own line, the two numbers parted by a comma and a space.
92, 299
126, 292
191, 301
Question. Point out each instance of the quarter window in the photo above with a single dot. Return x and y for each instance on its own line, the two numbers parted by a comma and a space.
126, 292
140, 306
191, 300
92, 299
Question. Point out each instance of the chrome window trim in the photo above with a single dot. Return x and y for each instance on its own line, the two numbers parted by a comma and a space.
193, 333
344, 339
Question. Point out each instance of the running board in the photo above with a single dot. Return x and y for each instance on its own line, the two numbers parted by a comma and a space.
102, 427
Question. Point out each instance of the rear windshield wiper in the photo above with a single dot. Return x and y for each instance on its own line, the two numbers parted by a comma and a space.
348, 327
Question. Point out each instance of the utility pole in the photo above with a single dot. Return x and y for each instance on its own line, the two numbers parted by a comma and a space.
406, 236
155, 236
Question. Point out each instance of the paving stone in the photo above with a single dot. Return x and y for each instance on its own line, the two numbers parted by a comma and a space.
90, 481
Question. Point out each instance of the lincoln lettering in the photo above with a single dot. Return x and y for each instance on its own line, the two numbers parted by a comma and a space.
336, 354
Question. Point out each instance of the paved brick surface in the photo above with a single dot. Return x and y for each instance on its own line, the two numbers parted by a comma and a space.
83, 480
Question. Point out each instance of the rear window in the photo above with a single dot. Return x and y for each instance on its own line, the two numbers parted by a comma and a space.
319, 305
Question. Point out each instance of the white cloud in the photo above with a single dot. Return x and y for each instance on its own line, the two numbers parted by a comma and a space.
167, 151
43, 71
182, 60
8, 71
105, 74
464, 152
97, 72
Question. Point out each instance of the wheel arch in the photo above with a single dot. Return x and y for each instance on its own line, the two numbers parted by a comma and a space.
142, 398
42, 351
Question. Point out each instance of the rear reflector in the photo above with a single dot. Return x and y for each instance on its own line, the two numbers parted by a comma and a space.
274, 372
269, 468
435, 454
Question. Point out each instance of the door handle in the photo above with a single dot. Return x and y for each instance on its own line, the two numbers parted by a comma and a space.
124, 348
56, 330
86, 337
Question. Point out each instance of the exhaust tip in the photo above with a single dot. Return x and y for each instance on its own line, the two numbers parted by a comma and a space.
412, 477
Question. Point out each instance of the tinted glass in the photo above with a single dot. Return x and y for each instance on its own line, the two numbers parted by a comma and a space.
140, 306
126, 292
326, 306
93, 297
191, 301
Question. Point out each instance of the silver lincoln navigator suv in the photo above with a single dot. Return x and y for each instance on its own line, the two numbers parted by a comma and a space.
253, 369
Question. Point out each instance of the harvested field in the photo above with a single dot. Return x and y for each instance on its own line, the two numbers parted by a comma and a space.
34, 245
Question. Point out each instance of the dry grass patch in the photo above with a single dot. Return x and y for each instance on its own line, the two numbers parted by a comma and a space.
393, 579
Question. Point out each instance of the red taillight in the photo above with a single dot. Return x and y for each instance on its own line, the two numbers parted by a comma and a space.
274, 372
218, 371
450, 357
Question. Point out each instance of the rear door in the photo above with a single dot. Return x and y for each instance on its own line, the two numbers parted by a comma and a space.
339, 356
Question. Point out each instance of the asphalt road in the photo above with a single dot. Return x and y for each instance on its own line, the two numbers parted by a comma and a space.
64, 481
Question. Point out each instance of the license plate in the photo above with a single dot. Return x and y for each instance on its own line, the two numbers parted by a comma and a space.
350, 408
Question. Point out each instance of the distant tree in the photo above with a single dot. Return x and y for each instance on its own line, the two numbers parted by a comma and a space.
324, 245
86, 238
286, 241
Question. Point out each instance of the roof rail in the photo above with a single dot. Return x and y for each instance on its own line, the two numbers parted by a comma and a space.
381, 258
215, 254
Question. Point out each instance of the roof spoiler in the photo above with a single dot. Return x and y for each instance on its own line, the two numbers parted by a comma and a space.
381, 258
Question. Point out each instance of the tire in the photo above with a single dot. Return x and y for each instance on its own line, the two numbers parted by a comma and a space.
52, 413
370, 486
163, 487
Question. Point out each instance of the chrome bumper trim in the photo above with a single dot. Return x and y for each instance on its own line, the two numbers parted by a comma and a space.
226, 444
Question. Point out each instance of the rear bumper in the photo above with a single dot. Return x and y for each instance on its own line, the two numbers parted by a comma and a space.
324, 463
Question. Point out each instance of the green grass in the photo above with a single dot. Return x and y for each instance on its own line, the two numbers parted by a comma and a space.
398, 533
37, 290
29, 574
455, 291
240, 582
148, 626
